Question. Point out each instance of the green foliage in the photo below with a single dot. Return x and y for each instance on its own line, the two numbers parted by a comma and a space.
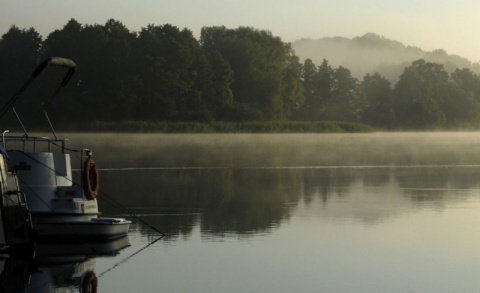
317, 83
220, 127
174, 75
462, 101
164, 76
375, 95
419, 95
266, 73
330, 93
20, 53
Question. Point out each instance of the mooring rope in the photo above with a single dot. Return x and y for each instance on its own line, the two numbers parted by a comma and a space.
110, 200
129, 257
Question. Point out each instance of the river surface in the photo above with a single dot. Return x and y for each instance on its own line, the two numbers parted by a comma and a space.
380, 212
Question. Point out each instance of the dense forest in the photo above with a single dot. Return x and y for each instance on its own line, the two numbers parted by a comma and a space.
163, 73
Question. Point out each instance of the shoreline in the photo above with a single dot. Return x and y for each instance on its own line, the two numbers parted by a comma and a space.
218, 127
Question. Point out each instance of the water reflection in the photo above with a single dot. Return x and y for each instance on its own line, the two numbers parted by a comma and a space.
247, 184
269, 213
57, 267
246, 201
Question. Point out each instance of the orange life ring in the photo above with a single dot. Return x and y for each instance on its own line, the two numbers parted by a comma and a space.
90, 179
90, 283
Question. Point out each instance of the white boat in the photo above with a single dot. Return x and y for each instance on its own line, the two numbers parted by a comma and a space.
59, 207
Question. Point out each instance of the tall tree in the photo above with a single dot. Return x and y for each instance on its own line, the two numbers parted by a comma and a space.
111, 70
221, 72
461, 103
309, 74
103, 79
66, 42
376, 101
218, 84
323, 88
259, 62
419, 94
343, 104
330, 93
292, 91
20, 52
175, 74
325, 82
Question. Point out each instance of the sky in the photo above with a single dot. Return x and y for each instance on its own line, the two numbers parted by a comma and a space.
452, 25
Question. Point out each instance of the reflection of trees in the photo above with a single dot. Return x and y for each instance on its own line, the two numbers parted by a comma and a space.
250, 200
417, 184
372, 195
432, 185
239, 201
166, 200
331, 181
447, 177
252, 196
324, 182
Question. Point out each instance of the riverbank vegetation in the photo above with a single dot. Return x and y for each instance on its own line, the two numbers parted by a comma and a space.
220, 127
169, 80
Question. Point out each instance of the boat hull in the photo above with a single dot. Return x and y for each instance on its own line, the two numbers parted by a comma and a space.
88, 229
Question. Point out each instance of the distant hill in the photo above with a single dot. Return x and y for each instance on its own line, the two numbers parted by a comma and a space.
372, 53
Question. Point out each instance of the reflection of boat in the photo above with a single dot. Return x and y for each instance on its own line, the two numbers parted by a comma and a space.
58, 206
52, 252
64, 277
58, 267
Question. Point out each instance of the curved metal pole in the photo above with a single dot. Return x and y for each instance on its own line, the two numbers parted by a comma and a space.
54, 61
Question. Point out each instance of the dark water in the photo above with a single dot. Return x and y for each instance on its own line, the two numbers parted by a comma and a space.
287, 213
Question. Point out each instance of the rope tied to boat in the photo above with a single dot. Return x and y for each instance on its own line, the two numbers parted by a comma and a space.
105, 197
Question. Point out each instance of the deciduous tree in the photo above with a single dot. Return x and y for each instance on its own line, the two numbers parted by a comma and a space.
419, 94
375, 97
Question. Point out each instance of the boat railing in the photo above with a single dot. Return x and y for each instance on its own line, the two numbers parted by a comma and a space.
35, 143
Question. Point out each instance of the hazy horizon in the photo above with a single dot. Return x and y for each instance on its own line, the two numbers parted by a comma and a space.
429, 25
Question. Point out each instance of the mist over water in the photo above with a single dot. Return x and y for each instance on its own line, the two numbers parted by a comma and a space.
395, 171
283, 150
378, 212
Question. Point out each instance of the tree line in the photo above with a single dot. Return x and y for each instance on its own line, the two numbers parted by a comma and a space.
163, 73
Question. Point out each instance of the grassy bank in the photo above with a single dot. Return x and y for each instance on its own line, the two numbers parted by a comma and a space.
218, 127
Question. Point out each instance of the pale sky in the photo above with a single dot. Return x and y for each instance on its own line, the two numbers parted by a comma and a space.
453, 25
